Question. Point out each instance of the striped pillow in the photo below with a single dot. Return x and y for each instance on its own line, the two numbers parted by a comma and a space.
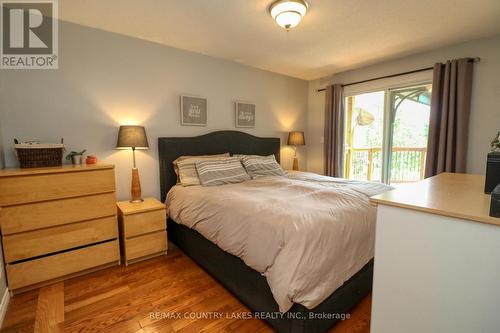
228, 171
187, 169
258, 166
241, 156
182, 158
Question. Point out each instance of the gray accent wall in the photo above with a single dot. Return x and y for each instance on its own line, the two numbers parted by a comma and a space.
485, 109
106, 80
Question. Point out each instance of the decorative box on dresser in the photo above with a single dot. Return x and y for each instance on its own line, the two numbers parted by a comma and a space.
143, 229
57, 223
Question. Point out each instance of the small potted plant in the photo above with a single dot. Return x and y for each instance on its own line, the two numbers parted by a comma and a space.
76, 157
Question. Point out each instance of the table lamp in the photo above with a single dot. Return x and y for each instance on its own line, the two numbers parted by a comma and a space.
133, 137
296, 138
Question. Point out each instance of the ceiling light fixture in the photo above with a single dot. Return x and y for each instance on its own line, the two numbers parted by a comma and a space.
288, 13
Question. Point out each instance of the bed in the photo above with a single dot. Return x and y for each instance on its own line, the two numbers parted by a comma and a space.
246, 283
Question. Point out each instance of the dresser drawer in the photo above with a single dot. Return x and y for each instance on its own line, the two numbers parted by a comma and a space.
40, 242
138, 224
39, 270
145, 245
33, 188
20, 218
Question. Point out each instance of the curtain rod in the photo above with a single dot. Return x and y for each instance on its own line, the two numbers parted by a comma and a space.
477, 59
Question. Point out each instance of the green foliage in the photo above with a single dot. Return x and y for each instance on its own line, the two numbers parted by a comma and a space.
410, 128
74, 153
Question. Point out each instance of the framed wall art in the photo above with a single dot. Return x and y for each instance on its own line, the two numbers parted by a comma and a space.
193, 111
244, 114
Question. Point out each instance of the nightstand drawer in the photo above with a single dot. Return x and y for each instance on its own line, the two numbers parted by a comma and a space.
146, 245
47, 268
143, 223
45, 214
35, 188
36, 243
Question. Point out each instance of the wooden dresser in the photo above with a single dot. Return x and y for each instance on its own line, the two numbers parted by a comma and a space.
57, 223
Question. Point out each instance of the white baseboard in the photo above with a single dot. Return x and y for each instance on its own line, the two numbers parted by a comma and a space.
4, 305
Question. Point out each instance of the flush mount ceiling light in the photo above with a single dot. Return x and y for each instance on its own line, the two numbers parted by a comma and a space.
288, 13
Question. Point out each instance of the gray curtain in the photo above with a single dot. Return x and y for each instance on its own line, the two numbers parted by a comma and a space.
449, 120
334, 131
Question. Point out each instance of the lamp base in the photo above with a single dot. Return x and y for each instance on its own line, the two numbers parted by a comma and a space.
136, 187
295, 164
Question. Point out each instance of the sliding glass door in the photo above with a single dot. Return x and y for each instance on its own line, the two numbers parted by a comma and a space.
386, 134
410, 111
364, 136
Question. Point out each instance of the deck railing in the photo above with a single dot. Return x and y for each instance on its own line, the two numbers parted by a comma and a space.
407, 164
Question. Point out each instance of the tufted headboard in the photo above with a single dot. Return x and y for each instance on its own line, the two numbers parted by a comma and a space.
219, 142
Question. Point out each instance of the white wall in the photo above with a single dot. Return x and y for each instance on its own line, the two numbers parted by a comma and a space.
106, 79
434, 273
485, 108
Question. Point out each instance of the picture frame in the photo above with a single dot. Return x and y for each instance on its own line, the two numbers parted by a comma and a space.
244, 114
194, 110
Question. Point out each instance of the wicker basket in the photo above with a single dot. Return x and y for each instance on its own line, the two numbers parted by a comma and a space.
38, 155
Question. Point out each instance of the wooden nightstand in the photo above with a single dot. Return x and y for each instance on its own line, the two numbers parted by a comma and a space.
143, 229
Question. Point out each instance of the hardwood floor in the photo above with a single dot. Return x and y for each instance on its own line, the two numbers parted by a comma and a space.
128, 299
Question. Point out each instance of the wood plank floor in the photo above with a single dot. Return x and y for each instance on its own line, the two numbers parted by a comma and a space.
125, 299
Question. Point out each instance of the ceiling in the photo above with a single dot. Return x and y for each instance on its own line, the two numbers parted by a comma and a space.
334, 36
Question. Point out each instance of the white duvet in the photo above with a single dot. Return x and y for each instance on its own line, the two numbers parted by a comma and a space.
306, 233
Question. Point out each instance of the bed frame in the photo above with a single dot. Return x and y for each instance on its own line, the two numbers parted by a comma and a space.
248, 285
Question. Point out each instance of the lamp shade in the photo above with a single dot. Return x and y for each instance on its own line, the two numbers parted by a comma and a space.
132, 137
296, 138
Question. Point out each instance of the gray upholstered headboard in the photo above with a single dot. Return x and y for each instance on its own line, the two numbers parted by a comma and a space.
219, 142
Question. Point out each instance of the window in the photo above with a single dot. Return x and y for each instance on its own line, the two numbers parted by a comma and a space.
386, 134
364, 136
